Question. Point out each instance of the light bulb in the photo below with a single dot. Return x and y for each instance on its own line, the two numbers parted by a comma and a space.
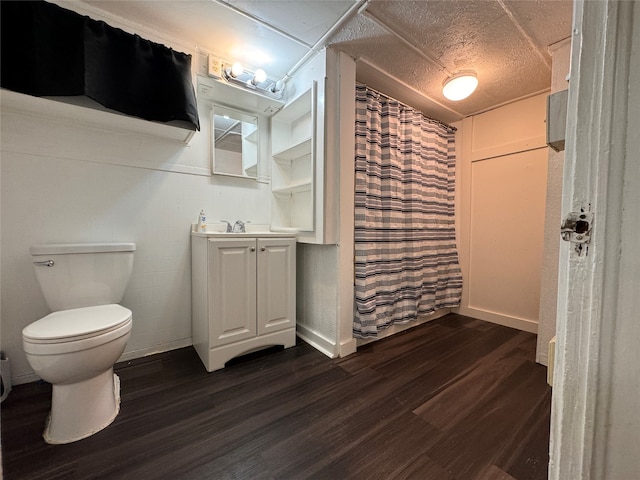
236, 69
277, 87
259, 77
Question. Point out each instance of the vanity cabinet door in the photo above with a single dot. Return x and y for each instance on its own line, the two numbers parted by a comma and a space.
276, 275
232, 290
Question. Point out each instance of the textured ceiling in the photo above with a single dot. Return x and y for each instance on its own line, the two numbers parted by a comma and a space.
403, 48
420, 43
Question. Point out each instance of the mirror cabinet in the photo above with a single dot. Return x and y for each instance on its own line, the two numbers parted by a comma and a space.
235, 138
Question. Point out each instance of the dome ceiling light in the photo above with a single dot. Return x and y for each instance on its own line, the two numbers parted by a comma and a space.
460, 85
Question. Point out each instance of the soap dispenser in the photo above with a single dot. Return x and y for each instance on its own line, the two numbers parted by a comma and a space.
202, 222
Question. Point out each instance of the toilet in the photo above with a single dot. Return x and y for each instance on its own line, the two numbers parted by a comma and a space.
75, 347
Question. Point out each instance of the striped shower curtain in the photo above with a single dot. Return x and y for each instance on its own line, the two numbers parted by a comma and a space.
406, 263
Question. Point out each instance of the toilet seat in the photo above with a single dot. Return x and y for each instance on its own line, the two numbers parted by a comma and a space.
76, 324
76, 329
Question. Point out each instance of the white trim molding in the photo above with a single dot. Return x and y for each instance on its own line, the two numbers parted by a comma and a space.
524, 324
594, 418
317, 340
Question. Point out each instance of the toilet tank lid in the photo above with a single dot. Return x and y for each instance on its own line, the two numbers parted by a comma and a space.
67, 248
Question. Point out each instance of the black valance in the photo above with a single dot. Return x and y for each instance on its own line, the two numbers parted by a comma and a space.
50, 51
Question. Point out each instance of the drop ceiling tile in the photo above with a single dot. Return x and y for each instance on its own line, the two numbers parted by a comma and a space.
436, 26
306, 20
547, 25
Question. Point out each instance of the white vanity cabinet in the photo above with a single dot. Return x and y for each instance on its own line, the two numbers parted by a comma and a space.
243, 294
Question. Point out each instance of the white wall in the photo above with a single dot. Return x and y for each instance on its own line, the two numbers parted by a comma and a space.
502, 175
561, 56
68, 182
325, 284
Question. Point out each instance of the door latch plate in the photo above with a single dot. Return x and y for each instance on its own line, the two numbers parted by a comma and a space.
576, 228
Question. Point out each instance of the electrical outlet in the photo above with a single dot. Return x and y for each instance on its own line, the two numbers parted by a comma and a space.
214, 67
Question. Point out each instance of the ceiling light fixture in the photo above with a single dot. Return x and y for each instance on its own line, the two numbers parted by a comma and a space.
460, 85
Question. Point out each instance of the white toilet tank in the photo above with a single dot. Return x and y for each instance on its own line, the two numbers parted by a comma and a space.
75, 275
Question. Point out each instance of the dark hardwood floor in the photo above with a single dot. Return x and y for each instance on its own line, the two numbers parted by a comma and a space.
453, 399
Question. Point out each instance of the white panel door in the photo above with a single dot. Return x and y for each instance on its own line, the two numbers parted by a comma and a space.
276, 284
232, 303
507, 233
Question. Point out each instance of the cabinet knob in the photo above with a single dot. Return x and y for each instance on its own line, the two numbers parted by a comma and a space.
253, 249
262, 249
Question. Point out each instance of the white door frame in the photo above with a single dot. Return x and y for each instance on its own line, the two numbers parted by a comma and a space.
595, 295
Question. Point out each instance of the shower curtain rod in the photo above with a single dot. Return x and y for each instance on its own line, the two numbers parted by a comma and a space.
439, 122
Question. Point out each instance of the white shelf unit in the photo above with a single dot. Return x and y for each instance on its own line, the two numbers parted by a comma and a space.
293, 146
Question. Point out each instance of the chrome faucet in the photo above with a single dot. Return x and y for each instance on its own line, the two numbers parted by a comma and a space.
228, 226
239, 227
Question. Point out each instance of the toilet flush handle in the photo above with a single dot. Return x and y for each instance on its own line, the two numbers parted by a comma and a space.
46, 263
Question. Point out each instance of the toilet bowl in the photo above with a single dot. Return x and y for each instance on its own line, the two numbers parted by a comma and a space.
75, 351
75, 347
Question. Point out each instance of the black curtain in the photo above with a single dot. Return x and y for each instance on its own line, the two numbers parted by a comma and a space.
50, 51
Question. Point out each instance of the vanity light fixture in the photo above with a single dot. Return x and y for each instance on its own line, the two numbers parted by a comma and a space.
460, 85
237, 75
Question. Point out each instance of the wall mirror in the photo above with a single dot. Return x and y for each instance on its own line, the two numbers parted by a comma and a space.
235, 142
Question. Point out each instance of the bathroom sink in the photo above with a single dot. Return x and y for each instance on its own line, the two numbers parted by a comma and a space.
241, 235
218, 230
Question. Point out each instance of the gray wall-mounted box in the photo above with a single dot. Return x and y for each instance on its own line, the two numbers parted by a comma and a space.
557, 119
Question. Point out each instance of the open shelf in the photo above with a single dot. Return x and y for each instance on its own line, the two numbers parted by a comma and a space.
294, 151
294, 187
88, 113
297, 108
251, 135
293, 131
251, 171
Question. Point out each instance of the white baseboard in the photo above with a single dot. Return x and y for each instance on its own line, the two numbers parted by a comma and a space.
348, 347
493, 317
164, 347
316, 340
143, 352
26, 378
